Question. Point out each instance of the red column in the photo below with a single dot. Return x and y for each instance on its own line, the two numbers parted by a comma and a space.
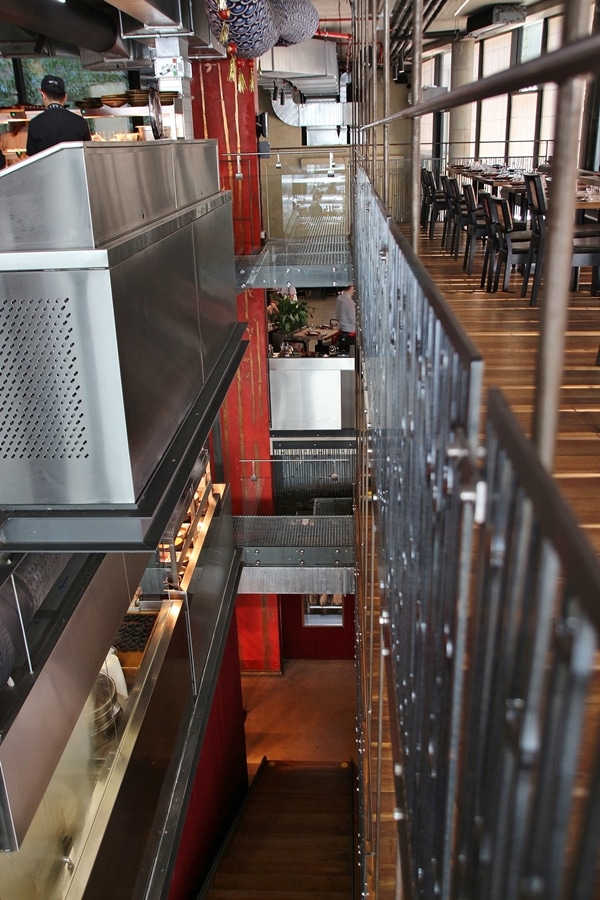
221, 110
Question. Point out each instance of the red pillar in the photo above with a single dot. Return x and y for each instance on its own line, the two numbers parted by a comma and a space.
220, 110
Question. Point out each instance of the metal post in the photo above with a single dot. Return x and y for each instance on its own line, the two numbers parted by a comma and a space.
561, 213
386, 102
415, 142
374, 90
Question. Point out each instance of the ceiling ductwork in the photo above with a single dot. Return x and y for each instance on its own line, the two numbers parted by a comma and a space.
73, 23
494, 19
311, 67
154, 13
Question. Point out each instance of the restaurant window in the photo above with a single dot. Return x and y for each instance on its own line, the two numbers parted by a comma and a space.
8, 88
427, 80
531, 37
547, 122
323, 610
523, 117
555, 28
493, 111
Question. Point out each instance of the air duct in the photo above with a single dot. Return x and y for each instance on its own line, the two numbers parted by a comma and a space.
494, 19
73, 23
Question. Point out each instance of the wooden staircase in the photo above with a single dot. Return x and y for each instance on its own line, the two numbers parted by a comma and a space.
294, 839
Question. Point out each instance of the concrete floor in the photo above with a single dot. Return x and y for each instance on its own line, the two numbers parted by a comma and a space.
308, 713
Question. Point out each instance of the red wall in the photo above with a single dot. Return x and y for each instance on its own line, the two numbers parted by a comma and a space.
221, 111
221, 780
313, 642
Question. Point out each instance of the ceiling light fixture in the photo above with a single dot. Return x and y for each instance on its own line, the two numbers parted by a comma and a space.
461, 7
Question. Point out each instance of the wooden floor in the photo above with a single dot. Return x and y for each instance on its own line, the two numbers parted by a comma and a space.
505, 330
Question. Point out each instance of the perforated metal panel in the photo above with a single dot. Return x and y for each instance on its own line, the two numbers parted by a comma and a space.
63, 436
41, 401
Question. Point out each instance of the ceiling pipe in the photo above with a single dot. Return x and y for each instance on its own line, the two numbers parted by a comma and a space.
75, 23
320, 32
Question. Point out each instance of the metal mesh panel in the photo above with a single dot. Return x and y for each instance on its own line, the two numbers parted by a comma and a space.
293, 531
301, 474
40, 394
332, 506
536, 622
423, 384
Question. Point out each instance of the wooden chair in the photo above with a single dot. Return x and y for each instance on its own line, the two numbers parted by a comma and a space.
459, 218
476, 227
586, 244
426, 199
513, 245
491, 241
447, 200
438, 205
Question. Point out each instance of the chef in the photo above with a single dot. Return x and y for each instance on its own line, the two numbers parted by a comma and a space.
56, 124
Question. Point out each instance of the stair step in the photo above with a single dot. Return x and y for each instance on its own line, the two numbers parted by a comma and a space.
287, 884
244, 894
312, 804
295, 839
302, 843
299, 822
250, 863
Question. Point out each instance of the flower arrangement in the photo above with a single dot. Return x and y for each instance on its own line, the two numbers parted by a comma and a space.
287, 313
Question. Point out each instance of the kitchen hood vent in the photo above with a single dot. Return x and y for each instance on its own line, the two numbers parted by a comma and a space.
155, 13
494, 19
119, 338
189, 20
75, 23
140, 57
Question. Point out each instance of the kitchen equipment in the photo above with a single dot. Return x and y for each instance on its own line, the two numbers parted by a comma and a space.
106, 710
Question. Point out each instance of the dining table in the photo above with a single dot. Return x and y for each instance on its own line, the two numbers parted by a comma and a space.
317, 336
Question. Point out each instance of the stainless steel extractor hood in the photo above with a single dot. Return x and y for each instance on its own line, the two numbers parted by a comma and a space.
119, 338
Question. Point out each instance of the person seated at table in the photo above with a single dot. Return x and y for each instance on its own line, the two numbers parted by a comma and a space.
345, 313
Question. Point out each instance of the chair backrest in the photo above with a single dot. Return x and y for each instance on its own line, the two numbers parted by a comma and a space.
425, 182
504, 219
469, 195
454, 190
536, 196
489, 213
432, 183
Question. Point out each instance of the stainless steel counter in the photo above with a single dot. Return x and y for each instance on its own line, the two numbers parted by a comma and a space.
312, 393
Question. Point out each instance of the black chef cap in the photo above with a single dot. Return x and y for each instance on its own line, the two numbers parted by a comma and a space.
53, 86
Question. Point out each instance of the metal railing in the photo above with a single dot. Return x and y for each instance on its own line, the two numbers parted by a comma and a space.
479, 595
422, 379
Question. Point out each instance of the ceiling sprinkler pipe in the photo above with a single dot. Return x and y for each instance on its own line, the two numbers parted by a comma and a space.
322, 32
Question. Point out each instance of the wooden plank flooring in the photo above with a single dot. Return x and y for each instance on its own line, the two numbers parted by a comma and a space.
505, 330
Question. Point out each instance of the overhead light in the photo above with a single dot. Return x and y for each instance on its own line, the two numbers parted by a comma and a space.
274, 90
238, 173
461, 7
278, 163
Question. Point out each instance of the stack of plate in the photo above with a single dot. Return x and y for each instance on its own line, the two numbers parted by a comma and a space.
137, 97
89, 103
114, 100
167, 97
